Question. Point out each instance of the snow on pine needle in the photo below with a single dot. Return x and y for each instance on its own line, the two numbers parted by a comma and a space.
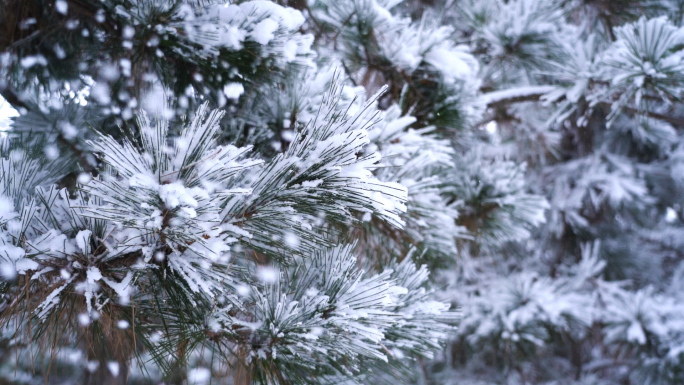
234, 26
644, 62
323, 312
419, 160
323, 177
170, 190
178, 212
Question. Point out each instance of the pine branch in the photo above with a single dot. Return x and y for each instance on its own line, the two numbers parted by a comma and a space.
504, 98
515, 95
83, 156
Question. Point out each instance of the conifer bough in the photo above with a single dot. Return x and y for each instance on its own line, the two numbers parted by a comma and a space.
341, 192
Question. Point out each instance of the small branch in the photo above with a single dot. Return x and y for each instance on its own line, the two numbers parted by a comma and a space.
674, 121
349, 74
515, 95
24, 39
534, 93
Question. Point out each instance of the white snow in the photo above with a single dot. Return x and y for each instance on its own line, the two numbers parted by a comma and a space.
83, 242
30, 61
84, 319
92, 366
199, 376
128, 32
519, 92
113, 367
267, 274
7, 271
670, 215
453, 64
233, 90
100, 91
263, 32
61, 6
6, 209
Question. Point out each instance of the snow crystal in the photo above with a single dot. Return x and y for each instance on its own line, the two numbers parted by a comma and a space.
242, 290
30, 61
199, 376
292, 240
233, 90
92, 366
68, 130
125, 65
100, 91
72, 24
311, 292
74, 356
51, 152
154, 102
59, 51
7, 271
128, 32
109, 72
61, 6
156, 337
123, 324
84, 178
670, 215
288, 135
84, 319
113, 367
267, 274
25, 24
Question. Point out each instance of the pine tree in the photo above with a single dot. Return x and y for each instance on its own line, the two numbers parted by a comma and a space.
356, 191
178, 196
587, 95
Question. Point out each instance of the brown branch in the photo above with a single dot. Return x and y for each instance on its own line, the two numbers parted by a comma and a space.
506, 97
492, 100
